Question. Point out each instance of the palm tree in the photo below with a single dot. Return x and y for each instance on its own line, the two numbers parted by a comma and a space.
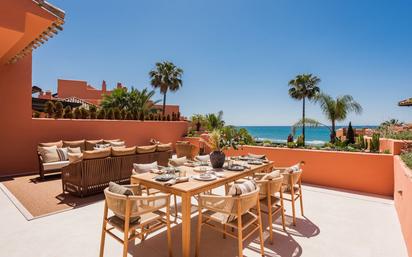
302, 87
166, 76
117, 98
139, 103
214, 121
337, 109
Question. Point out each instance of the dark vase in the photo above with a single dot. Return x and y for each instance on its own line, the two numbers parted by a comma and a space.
217, 159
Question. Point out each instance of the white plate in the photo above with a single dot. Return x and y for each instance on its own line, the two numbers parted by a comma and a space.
202, 169
198, 177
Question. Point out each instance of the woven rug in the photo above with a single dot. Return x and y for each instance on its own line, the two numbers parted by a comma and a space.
37, 198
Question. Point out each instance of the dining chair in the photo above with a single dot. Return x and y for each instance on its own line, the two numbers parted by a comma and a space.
271, 199
186, 149
292, 190
230, 211
135, 216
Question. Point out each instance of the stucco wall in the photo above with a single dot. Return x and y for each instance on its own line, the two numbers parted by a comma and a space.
403, 199
20, 134
363, 172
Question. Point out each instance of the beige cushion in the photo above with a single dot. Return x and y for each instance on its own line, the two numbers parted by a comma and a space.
145, 167
90, 144
178, 161
74, 150
243, 188
164, 147
146, 149
272, 175
108, 141
96, 154
118, 143
55, 165
121, 151
75, 157
78, 143
49, 154
58, 144
294, 168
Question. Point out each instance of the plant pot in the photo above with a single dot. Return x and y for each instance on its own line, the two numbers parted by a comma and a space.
217, 159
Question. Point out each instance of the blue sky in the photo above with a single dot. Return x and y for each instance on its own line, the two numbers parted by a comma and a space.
238, 56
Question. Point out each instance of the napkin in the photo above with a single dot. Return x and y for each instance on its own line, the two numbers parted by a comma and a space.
156, 171
176, 180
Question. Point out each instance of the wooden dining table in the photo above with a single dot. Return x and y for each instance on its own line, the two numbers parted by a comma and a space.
186, 190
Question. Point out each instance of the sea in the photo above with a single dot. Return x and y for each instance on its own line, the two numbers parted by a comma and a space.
279, 134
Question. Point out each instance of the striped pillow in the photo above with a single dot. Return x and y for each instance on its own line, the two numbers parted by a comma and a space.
63, 153
236, 190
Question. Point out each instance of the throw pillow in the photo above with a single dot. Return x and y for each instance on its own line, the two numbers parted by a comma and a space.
49, 154
144, 168
74, 150
62, 153
74, 157
272, 175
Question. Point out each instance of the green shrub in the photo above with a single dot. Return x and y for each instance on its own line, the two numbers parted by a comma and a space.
374, 144
116, 113
360, 140
386, 151
68, 114
58, 110
300, 141
123, 113
407, 159
350, 135
110, 114
49, 109
84, 113
129, 116
101, 115
77, 113
168, 117
93, 112
291, 145
36, 114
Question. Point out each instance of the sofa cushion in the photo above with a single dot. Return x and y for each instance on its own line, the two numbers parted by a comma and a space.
58, 144
144, 168
108, 141
121, 151
77, 143
146, 149
164, 147
49, 154
74, 150
96, 154
62, 152
118, 144
90, 144
55, 165
75, 157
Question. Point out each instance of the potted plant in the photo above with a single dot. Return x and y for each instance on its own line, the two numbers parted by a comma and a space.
218, 142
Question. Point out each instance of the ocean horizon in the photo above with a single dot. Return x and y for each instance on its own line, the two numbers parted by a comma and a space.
279, 134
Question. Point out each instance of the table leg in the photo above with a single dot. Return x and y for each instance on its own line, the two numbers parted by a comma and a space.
186, 211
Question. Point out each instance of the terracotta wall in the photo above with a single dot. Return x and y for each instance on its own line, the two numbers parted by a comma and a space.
20, 134
364, 172
393, 145
403, 199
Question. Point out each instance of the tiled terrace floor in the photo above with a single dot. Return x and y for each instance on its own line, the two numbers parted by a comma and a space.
336, 224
